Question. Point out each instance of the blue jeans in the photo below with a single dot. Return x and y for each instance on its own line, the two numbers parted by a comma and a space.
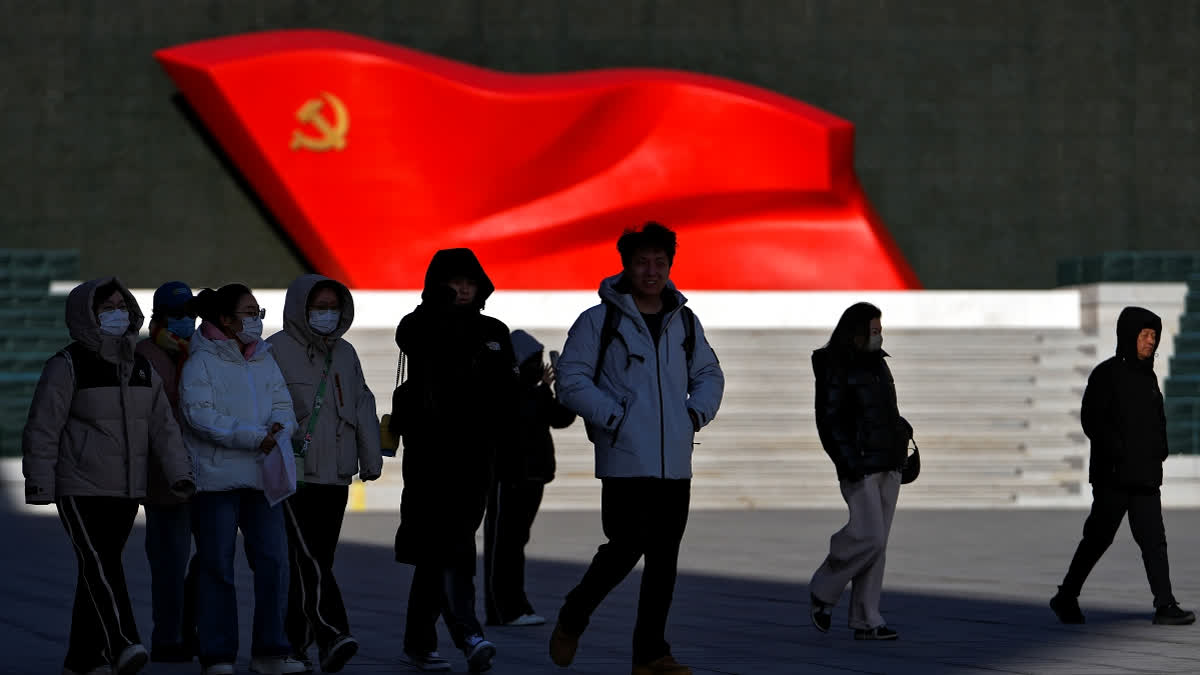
216, 518
172, 586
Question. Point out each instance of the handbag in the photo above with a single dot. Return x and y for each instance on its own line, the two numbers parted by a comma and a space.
300, 447
910, 468
389, 440
912, 465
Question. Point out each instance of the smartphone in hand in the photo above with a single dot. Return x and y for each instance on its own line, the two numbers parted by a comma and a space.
553, 358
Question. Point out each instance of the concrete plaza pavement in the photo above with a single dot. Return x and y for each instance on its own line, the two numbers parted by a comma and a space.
967, 590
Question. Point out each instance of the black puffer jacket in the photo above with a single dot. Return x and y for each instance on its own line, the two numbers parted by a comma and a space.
461, 408
857, 416
1122, 411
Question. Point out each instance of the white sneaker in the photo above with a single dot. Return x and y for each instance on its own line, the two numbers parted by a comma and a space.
527, 620
276, 666
219, 669
132, 659
479, 653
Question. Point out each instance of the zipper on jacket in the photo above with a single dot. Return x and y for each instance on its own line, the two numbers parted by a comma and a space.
662, 428
253, 392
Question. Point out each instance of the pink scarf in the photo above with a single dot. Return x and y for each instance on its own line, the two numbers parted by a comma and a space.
215, 334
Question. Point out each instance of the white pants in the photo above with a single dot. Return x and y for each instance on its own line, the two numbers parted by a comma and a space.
857, 551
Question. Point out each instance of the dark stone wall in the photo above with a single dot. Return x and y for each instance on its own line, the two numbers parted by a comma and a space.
994, 136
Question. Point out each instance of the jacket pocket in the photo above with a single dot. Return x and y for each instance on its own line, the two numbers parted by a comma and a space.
346, 442
616, 432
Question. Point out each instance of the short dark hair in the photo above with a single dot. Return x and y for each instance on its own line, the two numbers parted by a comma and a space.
652, 235
212, 305
102, 293
320, 286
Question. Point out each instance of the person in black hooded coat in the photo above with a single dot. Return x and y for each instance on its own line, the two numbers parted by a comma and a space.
1123, 417
453, 413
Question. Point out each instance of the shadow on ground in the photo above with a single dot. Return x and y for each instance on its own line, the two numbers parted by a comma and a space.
966, 590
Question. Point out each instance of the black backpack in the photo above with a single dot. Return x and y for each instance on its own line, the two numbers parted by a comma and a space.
612, 320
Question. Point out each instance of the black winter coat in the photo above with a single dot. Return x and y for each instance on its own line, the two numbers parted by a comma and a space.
531, 457
462, 378
1122, 411
858, 419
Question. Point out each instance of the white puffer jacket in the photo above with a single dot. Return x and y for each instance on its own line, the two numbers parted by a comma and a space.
229, 403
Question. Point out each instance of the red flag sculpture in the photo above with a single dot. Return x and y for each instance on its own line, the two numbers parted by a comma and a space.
373, 156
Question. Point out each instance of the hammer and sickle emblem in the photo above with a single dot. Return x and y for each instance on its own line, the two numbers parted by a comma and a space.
333, 136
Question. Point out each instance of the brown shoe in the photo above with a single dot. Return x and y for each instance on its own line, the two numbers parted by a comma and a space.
665, 664
562, 646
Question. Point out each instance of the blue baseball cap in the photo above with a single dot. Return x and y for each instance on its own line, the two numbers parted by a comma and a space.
174, 297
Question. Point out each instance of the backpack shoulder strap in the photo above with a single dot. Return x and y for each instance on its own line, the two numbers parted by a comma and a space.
689, 335
608, 331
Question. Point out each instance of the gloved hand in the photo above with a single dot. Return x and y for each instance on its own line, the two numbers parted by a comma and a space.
184, 488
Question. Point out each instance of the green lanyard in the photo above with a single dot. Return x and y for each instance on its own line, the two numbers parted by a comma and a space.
312, 418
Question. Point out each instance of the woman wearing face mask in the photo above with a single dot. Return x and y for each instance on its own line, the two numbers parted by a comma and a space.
99, 413
169, 518
863, 433
337, 437
238, 411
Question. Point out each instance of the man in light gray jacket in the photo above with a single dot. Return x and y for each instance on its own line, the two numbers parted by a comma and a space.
639, 371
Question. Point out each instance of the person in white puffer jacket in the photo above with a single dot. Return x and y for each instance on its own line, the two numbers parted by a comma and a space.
237, 411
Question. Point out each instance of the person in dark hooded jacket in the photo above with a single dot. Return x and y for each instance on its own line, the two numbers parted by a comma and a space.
523, 470
1123, 417
453, 412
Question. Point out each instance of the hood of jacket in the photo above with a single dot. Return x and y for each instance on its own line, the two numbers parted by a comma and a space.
525, 346
617, 290
447, 264
85, 328
295, 311
1130, 323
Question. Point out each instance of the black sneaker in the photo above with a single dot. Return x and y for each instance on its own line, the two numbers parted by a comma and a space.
1067, 609
876, 633
479, 653
1173, 615
821, 613
335, 658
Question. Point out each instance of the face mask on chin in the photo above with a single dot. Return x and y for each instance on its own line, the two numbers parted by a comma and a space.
324, 321
252, 329
114, 322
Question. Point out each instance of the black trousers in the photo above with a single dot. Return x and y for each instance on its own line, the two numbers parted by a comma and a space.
448, 592
512, 507
1109, 505
641, 517
316, 612
102, 623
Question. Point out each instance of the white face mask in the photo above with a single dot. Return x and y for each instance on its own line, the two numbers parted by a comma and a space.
875, 343
114, 322
324, 321
251, 329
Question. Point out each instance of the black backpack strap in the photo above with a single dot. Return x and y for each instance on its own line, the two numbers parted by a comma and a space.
608, 331
689, 335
